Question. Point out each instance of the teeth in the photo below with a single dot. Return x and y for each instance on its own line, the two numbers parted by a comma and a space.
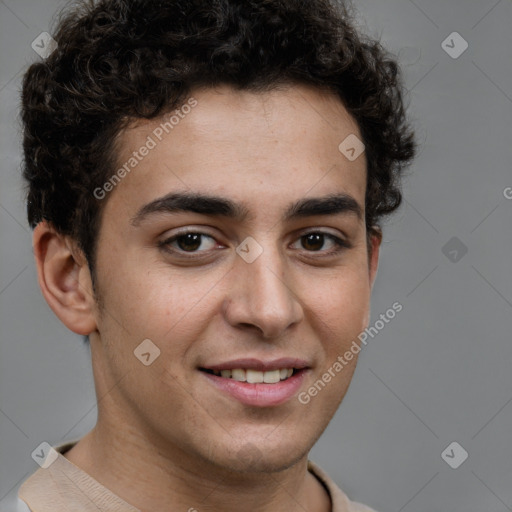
255, 376
272, 377
238, 375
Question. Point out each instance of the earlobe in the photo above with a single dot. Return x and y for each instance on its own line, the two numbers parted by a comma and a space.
64, 279
373, 263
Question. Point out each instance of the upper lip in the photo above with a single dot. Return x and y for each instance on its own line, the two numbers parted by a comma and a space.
259, 365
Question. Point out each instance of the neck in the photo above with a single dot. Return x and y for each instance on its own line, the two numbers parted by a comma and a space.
148, 479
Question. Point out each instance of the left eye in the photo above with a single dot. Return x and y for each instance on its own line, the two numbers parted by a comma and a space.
316, 239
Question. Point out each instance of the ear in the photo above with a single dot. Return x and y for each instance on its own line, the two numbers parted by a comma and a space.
64, 279
374, 252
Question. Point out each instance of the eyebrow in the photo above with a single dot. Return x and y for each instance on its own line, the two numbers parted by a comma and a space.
334, 204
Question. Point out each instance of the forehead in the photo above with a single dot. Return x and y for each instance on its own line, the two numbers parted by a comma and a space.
270, 146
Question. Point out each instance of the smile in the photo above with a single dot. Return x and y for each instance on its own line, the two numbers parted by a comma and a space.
254, 376
255, 383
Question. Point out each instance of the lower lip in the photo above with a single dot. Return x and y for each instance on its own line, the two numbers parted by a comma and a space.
259, 395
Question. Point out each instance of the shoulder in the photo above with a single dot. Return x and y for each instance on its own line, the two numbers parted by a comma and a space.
340, 501
60, 485
42, 489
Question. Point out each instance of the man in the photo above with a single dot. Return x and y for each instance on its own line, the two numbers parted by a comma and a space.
206, 181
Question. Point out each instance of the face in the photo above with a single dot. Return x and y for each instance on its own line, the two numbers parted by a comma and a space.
251, 281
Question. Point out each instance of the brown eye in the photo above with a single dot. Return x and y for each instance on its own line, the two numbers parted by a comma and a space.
315, 241
187, 243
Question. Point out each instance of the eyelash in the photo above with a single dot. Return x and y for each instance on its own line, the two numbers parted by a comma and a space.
341, 244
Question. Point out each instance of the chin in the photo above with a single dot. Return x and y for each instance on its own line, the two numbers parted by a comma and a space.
265, 457
266, 463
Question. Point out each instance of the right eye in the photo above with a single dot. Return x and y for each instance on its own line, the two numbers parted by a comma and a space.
186, 242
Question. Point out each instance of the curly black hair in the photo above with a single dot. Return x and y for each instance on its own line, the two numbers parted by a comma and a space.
120, 60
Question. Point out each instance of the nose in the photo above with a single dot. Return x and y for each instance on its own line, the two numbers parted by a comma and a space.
262, 296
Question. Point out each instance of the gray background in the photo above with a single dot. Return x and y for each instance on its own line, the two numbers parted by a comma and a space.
438, 372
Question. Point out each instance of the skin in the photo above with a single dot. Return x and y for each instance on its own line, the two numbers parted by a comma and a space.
166, 438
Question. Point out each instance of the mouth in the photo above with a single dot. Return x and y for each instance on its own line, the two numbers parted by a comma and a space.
256, 383
254, 376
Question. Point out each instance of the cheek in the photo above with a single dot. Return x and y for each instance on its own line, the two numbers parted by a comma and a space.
168, 307
342, 305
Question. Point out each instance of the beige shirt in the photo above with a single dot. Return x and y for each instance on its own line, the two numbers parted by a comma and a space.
64, 486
